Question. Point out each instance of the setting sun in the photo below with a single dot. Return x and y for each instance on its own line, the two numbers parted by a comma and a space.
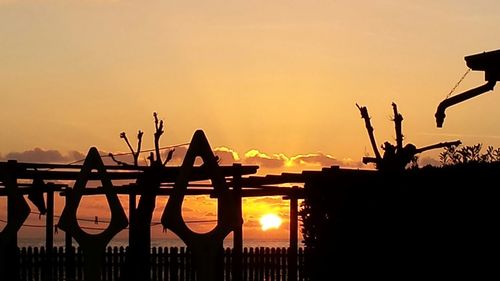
270, 221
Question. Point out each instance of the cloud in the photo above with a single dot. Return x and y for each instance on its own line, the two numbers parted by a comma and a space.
315, 159
251, 223
39, 155
268, 200
45, 156
324, 160
256, 157
226, 155
424, 161
300, 161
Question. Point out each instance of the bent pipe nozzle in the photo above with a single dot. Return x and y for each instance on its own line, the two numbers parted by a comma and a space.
440, 115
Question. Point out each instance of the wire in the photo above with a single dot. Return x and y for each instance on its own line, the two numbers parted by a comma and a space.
130, 153
150, 150
27, 225
153, 223
458, 83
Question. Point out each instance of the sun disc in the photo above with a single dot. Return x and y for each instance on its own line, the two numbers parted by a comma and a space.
270, 221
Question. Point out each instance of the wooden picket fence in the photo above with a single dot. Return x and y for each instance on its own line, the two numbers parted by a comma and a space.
167, 264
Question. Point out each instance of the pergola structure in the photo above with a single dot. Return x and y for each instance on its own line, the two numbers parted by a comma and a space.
38, 179
228, 184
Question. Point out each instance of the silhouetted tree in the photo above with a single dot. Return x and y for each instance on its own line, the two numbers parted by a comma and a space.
395, 157
137, 265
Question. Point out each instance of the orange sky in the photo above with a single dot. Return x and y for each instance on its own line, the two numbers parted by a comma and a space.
281, 77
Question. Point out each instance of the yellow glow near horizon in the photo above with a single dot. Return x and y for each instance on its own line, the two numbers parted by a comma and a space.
270, 221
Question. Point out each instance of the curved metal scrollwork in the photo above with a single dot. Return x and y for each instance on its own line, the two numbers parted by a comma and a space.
206, 247
93, 245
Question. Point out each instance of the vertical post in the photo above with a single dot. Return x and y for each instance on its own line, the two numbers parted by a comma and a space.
238, 232
49, 220
11, 247
68, 240
292, 254
49, 236
17, 212
131, 214
68, 245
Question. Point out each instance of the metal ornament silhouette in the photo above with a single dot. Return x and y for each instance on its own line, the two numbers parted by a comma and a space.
489, 62
36, 195
93, 245
207, 247
17, 213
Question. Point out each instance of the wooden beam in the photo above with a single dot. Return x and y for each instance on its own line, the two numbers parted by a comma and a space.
238, 232
26, 189
65, 170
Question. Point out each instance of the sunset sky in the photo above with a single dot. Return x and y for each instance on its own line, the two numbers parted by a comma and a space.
270, 82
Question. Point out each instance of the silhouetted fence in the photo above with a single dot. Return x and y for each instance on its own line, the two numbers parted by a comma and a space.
172, 264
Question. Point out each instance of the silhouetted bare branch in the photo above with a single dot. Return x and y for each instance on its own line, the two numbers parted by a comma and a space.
135, 154
439, 145
397, 157
139, 143
398, 120
364, 114
158, 132
151, 159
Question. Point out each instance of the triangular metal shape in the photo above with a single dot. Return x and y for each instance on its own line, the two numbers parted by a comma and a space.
205, 247
68, 221
93, 245
227, 220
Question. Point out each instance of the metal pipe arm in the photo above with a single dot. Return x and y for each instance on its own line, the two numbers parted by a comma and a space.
440, 115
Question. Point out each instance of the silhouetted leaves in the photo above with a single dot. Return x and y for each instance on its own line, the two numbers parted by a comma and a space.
469, 154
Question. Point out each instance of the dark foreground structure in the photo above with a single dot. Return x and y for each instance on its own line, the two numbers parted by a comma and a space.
174, 264
357, 224
430, 223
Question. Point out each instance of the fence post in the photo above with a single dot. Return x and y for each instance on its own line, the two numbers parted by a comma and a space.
29, 264
251, 264
292, 253
238, 232
174, 276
